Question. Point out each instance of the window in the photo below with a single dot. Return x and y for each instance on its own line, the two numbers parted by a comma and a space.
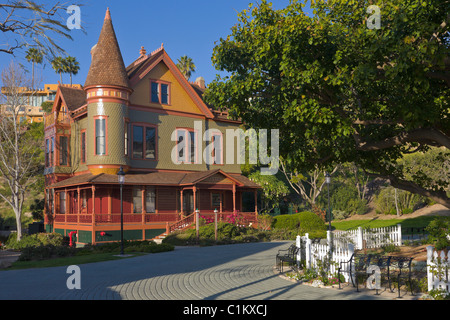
83, 147
52, 151
159, 92
138, 142
47, 152
144, 148
62, 202
137, 200
164, 93
126, 138
150, 200
155, 92
186, 145
100, 136
150, 150
63, 151
217, 151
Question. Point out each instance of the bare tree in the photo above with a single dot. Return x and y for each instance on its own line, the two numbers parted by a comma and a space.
19, 150
26, 23
308, 187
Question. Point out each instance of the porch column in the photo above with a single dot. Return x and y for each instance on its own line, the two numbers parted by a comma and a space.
78, 204
194, 190
181, 203
256, 200
143, 204
93, 202
234, 198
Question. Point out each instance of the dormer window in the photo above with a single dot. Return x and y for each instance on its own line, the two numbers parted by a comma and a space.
160, 92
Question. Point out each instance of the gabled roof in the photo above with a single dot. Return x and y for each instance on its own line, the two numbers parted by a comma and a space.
145, 63
107, 67
72, 97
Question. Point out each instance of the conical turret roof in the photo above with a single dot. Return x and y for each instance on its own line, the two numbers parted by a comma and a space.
107, 67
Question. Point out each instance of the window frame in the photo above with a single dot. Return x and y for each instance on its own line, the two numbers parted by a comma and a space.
159, 84
62, 153
144, 126
83, 145
179, 160
105, 118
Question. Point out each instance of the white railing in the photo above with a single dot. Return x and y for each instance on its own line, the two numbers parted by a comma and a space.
437, 269
370, 238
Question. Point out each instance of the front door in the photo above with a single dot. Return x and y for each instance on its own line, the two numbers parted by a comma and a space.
188, 202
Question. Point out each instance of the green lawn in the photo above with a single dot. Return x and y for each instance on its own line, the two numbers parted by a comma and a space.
417, 222
67, 261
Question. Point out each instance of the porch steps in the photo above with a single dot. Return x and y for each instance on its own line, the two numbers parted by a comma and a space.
160, 238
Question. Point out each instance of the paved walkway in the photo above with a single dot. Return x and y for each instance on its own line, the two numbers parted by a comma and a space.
228, 272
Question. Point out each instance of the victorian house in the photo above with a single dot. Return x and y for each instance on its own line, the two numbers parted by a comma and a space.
149, 121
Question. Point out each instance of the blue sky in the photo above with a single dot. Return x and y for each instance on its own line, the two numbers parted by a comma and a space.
185, 27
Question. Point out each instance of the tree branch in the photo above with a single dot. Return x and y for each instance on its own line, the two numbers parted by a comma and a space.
428, 136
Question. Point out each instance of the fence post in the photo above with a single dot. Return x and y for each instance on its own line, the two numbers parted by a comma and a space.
330, 242
429, 262
359, 238
299, 253
308, 251
399, 234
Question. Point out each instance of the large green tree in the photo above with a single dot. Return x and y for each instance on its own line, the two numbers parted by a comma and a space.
338, 89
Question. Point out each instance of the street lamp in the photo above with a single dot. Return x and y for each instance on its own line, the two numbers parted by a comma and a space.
328, 182
215, 224
121, 177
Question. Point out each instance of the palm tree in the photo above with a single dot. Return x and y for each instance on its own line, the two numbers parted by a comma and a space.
34, 56
59, 66
71, 66
186, 66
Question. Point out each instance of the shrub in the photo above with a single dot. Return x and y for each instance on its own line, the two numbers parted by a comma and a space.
346, 199
34, 240
439, 232
340, 214
303, 221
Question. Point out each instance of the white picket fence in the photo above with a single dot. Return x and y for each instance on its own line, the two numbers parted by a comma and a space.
315, 253
344, 245
437, 269
369, 238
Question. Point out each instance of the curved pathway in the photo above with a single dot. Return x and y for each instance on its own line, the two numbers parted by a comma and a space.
227, 272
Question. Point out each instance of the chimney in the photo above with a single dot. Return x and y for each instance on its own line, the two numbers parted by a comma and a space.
200, 81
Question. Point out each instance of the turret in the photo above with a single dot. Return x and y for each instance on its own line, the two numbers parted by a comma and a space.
108, 93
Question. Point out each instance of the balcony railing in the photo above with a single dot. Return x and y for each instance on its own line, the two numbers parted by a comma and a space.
56, 118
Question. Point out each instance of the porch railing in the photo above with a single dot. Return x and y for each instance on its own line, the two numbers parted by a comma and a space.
175, 223
114, 218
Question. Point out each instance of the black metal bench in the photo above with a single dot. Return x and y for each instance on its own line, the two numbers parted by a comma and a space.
400, 267
390, 266
287, 255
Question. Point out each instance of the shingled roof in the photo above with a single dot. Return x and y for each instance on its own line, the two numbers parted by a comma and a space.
107, 67
73, 97
154, 178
